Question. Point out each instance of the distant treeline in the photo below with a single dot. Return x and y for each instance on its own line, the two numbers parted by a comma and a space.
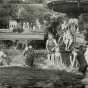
20, 12
22, 1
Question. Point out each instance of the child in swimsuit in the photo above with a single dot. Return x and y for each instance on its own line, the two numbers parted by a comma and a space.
58, 57
73, 60
50, 46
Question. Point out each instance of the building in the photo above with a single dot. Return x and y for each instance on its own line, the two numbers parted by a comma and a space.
26, 27
12, 25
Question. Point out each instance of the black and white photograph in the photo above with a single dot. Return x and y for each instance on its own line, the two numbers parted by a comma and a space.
43, 43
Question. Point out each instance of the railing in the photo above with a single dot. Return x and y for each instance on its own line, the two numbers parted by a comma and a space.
28, 36
4, 30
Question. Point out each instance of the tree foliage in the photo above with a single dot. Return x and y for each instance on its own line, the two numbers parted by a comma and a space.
5, 14
21, 1
22, 12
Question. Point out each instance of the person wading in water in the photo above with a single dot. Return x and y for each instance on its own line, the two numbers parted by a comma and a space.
50, 46
29, 53
81, 60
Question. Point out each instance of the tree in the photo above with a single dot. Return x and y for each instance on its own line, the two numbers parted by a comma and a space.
21, 12
21, 1
6, 12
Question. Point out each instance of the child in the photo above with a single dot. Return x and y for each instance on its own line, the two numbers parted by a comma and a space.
67, 38
73, 60
82, 58
2, 58
29, 53
50, 46
86, 54
58, 58
25, 50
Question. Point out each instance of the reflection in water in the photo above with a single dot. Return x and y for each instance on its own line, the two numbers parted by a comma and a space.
21, 77
46, 85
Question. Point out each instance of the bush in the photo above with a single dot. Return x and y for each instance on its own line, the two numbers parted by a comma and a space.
19, 30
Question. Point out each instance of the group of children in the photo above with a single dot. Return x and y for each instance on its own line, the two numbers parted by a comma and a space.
55, 56
53, 51
77, 58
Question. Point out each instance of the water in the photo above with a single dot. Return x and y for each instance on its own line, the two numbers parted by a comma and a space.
85, 80
45, 85
19, 77
26, 77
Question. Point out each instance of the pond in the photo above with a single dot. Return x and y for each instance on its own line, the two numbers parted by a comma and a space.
26, 77
32, 77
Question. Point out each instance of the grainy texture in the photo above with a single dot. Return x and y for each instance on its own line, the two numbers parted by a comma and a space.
36, 77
